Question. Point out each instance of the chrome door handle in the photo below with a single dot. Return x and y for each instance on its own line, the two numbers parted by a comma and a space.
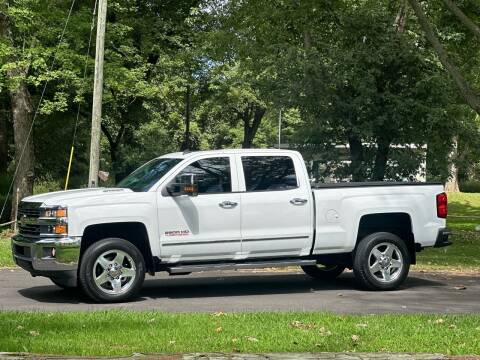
298, 201
228, 204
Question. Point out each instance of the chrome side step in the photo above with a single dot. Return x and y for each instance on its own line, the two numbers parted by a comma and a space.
185, 269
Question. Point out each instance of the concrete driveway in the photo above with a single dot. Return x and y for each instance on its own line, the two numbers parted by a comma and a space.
254, 291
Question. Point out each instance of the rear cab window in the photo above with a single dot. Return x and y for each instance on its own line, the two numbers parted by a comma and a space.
269, 173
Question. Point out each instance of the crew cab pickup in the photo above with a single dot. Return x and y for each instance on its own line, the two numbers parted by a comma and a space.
226, 209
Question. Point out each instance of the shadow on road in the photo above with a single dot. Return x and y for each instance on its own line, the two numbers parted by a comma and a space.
187, 287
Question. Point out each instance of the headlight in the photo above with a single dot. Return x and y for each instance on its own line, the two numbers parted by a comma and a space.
55, 213
56, 219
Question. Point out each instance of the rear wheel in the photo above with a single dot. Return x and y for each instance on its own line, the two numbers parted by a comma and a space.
382, 261
112, 270
323, 272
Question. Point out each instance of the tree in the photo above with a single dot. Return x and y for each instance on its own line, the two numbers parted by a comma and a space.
148, 71
21, 107
469, 94
464, 19
370, 87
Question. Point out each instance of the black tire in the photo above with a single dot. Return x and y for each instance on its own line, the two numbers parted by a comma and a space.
89, 260
63, 284
364, 260
323, 272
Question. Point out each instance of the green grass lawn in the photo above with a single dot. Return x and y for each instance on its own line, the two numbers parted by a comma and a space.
123, 332
462, 256
5, 251
463, 211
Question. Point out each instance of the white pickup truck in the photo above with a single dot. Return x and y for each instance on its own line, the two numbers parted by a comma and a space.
226, 209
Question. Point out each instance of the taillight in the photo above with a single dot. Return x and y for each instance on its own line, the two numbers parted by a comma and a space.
442, 206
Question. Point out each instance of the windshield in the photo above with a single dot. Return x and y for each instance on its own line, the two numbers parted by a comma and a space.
146, 176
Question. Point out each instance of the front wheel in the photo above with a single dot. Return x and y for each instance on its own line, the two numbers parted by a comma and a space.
381, 261
112, 270
323, 272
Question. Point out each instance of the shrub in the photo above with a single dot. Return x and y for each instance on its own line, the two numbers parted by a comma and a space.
470, 186
46, 184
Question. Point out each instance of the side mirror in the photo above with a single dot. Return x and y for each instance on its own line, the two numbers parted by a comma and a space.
185, 184
190, 189
176, 189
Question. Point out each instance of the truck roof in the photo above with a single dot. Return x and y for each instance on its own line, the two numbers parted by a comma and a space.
188, 154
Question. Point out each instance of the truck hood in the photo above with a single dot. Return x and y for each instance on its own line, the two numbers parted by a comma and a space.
62, 198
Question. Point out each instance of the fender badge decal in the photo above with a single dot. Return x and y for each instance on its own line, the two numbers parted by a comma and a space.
177, 233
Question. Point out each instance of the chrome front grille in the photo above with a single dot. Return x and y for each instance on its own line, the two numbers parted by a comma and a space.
28, 214
29, 209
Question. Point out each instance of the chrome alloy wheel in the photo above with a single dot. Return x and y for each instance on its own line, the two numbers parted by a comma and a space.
114, 272
385, 262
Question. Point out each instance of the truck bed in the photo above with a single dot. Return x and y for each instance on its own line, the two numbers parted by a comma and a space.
371, 184
344, 210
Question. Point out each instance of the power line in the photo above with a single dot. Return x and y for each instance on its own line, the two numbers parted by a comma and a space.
37, 110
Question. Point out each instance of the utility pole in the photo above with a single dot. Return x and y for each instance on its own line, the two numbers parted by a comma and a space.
97, 95
280, 129
186, 143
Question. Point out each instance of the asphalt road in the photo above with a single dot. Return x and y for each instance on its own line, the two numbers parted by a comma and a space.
254, 291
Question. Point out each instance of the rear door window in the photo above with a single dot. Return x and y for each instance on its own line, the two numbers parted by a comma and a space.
269, 173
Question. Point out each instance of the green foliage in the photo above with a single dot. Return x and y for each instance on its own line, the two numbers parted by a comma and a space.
46, 184
339, 71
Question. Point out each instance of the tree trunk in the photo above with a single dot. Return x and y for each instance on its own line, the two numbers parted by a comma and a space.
3, 142
113, 159
381, 158
114, 144
401, 18
250, 128
356, 158
186, 140
470, 96
23, 139
464, 19
452, 182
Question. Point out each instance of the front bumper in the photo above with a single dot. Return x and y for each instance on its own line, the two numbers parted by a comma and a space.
51, 257
442, 238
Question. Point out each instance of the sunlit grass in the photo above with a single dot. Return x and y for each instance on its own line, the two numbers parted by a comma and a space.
464, 211
5, 250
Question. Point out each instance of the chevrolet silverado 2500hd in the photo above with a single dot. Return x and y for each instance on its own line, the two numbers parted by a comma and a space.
227, 209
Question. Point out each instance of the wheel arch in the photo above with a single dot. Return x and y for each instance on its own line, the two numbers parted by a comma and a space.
398, 223
133, 232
